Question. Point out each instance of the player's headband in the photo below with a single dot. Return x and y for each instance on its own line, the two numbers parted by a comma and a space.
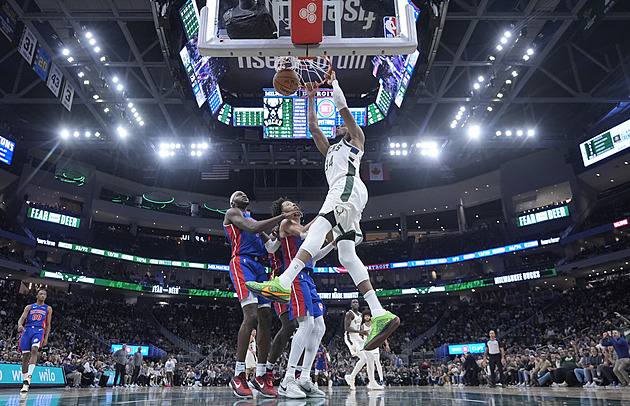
234, 196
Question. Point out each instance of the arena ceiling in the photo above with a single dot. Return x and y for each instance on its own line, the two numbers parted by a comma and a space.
575, 83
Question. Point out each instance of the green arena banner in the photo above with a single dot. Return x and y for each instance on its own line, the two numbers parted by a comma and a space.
159, 289
50, 217
535, 218
11, 374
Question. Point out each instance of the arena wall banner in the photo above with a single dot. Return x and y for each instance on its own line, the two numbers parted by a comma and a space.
11, 374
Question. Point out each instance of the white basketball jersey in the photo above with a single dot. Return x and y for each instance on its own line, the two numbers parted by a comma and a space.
355, 323
342, 159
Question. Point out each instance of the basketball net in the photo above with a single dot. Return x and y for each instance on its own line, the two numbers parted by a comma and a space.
308, 69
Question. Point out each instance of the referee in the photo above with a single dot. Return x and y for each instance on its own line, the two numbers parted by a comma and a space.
497, 357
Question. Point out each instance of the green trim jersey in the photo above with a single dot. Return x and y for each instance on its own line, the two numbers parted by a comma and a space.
342, 159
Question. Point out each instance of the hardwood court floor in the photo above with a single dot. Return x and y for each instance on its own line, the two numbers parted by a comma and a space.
398, 396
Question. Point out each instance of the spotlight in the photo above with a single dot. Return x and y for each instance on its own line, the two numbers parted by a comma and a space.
530, 51
97, 49
119, 87
404, 152
193, 146
397, 152
199, 153
492, 58
504, 40
418, 145
481, 79
133, 110
453, 124
65, 134
130, 105
106, 110
397, 145
121, 131
489, 108
172, 146
514, 73
103, 58
476, 86
92, 41
178, 145
474, 131
508, 81
88, 35
507, 34
81, 74
70, 59
392, 145
193, 153
498, 133
163, 153
404, 145
392, 152
499, 95
95, 97
138, 119
76, 134
86, 82
141, 123
462, 109
530, 133
519, 133
65, 52
88, 134
97, 134
204, 145
172, 153
526, 57
508, 133
499, 47
115, 79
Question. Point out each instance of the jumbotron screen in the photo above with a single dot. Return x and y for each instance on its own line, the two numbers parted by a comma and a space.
287, 116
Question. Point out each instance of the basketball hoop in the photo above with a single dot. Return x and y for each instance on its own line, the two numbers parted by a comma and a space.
308, 69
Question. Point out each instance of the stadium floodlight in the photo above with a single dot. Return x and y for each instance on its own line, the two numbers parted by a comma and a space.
508, 81
462, 109
474, 131
392, 152
88, 134
476, 86
489, 108
115, 79
499, 95
65, 133
530, 51
106, 110
507, 34
508, 133
499, 47
498, 133
88, 35
504, 40
121, 131
130, 105
81, 74
76, 133
204, 145
526, 57
164, 153
404, 152
454, 124
492, 57
70, 59
519, 133
392, 145
120, 87
141, 123
97, 134
514, 73
404, 145
481, 79
92, 41
530, 132
65, 52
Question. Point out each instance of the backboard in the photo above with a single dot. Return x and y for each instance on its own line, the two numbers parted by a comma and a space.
398, 34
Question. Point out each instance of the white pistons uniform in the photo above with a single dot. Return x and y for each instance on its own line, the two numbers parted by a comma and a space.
354, 341
347, 194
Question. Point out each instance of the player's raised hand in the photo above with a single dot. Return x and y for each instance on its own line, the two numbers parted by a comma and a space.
330, 77
20, 329
311, 89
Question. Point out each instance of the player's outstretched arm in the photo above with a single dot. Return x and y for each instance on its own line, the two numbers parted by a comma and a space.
22, 319
235, 216
321, 142
356, 133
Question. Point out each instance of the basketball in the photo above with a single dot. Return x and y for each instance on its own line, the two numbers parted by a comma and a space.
286, 82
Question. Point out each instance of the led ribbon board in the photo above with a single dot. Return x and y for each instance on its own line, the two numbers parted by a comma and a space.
173, 290
11, 374
459, 349
131, 349
220, 267
50, 217
535, 218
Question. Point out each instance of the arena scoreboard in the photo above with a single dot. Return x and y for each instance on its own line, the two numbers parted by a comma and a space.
6, 150
248, 116
287, 116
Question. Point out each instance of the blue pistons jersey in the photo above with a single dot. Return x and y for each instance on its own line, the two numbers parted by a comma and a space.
37, 316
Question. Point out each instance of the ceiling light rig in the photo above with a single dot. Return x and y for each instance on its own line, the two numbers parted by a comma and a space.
423, 148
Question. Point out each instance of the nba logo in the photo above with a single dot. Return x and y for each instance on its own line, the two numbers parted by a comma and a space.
390, 27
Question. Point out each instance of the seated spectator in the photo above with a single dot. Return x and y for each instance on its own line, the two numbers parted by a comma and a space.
71, 372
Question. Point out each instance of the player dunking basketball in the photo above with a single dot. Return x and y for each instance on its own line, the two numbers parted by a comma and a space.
341, 213
248, 250
34, 324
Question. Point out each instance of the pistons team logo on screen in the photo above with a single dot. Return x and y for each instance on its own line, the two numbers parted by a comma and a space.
326, 109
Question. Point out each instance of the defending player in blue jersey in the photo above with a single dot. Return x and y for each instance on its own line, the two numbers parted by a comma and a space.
248, 240
321, 364
34, 324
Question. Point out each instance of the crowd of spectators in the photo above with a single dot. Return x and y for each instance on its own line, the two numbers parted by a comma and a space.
621, 243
